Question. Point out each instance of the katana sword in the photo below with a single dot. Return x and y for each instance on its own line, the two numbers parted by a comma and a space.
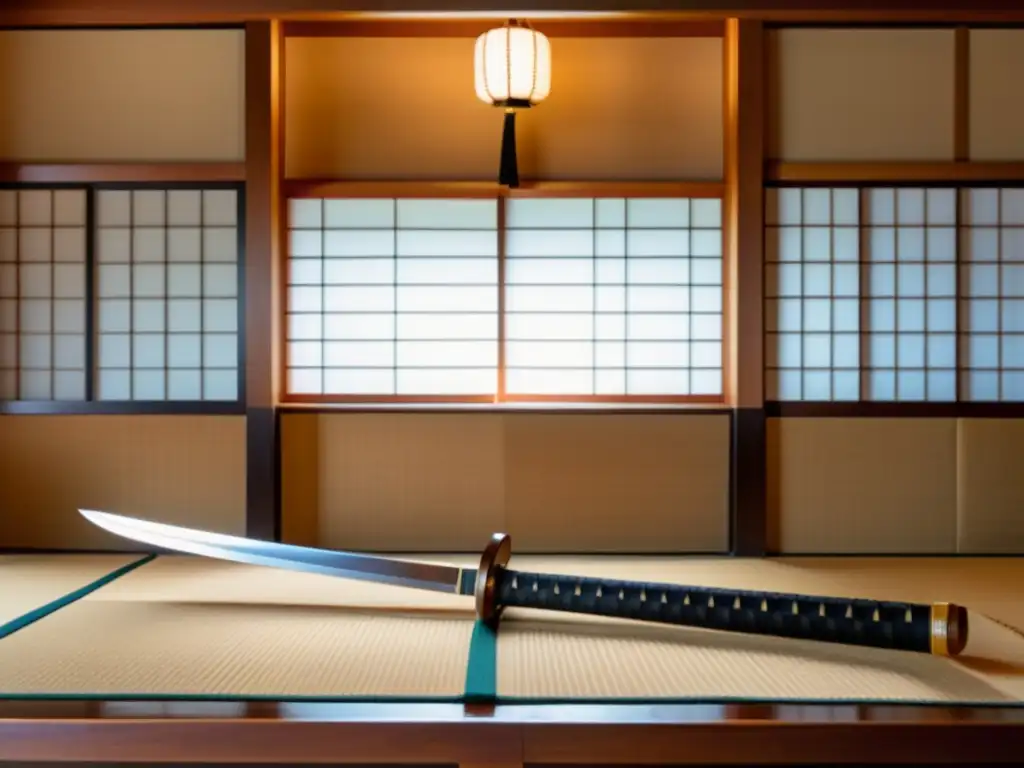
938, 628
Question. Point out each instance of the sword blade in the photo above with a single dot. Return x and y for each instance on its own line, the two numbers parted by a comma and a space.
349, 565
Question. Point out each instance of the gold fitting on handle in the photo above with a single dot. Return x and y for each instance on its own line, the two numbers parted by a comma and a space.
948, 629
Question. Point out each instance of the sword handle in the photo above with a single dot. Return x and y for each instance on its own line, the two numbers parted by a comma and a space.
939, 629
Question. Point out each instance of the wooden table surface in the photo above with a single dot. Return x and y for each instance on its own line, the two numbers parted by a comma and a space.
503, 736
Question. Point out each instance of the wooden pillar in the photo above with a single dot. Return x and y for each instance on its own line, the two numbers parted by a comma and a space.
263, 153
744, 50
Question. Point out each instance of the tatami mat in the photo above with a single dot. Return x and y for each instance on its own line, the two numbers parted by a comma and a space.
191, 627
545, 656
31, 582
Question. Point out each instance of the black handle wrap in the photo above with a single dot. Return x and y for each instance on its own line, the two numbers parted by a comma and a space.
898, 626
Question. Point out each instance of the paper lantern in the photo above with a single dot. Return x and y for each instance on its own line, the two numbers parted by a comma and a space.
513, 71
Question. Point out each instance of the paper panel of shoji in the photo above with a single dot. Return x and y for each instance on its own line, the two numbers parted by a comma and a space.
812, 294
992, 290
42, 294
910, 253
393, 297
167, 288
861, 294
613, 297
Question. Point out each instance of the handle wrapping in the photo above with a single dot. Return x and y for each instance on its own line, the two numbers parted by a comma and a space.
939, 629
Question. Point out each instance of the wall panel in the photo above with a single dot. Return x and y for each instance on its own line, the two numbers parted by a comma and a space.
122, 95
405, 108
861, 95
862, 486
409, 481
996, 114
555, 482
300, 478
621, 483
991, 510
187, 470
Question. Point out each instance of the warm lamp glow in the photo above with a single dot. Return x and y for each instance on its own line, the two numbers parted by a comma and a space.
513, 66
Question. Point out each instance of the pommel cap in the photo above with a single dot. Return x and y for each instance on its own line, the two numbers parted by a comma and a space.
948, 629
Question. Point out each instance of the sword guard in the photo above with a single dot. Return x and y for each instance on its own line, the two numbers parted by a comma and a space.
494, 558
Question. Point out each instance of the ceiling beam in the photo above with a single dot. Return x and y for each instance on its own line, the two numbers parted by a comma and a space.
143, 12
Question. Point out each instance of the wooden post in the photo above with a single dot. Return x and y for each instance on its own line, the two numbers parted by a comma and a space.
744, 50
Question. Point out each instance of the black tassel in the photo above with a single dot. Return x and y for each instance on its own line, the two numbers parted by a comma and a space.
509, 172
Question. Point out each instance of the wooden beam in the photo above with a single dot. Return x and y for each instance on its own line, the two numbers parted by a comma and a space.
897, 172
572, 407
683, 403
744, 237
471, 28
326, 188
744, 207
896, 410
263, 137
85, 173
118, 408
119, 12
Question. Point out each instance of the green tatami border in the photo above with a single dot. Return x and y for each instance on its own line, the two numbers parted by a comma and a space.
71, 597
482, 664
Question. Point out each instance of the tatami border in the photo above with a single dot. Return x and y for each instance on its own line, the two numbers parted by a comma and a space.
71, 597
482, 665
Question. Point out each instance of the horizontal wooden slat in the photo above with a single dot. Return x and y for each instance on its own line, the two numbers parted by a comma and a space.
312, 188
334, 406
118, 407
470, 400
84, 173
614, 399
625, 27
839, 173
389, 399
894, 410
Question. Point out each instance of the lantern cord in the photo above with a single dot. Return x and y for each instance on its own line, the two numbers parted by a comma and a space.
509, 171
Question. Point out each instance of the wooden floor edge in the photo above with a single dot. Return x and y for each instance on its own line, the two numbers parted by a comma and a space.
946, 735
